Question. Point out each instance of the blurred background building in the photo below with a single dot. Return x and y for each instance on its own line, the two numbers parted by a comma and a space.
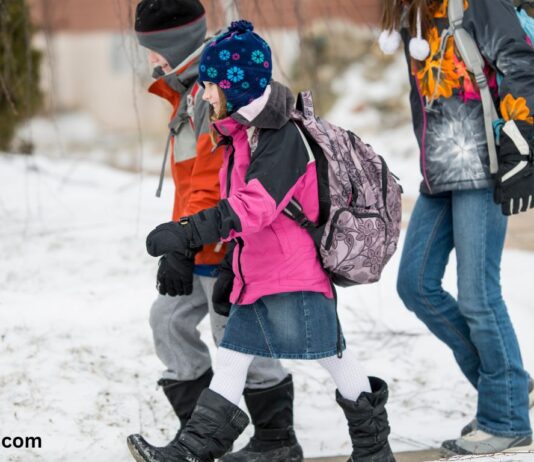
92, 61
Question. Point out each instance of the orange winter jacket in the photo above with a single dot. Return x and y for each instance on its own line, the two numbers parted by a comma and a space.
194, 167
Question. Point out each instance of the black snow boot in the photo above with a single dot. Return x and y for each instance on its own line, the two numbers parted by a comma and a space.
210, 432
274, 440
368, 424
183, 395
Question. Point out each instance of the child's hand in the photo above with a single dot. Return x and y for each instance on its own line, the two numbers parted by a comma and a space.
171, 237
514, 188
175, 274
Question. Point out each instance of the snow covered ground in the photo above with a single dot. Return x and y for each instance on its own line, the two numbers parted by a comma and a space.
77, 365
76, 357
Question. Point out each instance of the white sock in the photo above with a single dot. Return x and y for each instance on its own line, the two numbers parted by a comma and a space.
231, 369
348, 374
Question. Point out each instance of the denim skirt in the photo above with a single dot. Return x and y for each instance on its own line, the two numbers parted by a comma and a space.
292, 325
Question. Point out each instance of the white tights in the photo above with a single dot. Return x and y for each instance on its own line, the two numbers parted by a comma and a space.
231, 373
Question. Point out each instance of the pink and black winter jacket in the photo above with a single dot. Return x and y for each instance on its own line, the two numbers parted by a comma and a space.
273, 254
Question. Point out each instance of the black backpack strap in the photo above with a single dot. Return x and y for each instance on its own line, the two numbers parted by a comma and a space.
294, 211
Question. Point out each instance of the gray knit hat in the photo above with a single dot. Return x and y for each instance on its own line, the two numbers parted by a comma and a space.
172, 28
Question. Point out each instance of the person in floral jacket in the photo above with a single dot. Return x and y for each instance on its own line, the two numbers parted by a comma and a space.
459, 206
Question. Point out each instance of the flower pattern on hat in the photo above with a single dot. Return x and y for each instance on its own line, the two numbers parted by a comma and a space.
257, 56
235, 74
239, 62
224, 55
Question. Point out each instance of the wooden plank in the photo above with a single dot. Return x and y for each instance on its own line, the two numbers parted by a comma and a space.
418, 456
409, 456
429, 455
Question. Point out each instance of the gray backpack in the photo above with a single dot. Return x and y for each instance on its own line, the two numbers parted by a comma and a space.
475, 64
359, 201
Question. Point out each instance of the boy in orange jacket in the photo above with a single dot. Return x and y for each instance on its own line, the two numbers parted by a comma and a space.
174, 32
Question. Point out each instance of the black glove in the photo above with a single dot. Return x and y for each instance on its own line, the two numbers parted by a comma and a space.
223, 286
175, 274
171, 237
514, 181
186, 235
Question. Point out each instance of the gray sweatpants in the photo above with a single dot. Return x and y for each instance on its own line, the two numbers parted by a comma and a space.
174, 322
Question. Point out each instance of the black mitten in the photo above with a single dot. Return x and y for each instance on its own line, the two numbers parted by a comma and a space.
190, 232
175, 274
514, 181
174, 236
223, 286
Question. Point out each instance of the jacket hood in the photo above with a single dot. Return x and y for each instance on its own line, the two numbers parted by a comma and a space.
271, 110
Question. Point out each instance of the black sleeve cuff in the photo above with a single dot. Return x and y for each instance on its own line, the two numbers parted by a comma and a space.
213, 224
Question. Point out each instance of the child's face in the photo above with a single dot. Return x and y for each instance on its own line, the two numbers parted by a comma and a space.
211, 95
155, 60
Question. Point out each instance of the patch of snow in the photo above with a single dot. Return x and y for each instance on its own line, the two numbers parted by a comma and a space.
77, 359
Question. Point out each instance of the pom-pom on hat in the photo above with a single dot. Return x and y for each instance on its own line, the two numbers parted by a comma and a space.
389, 41
172, 28
419, 47
239, 62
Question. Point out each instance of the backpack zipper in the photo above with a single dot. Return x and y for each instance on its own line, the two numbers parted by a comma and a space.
333, 227
385, 185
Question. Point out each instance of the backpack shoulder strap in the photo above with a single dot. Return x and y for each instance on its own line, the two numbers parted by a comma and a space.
305, 104
455, 11
185, 112
295, 212
309, 150
293, 209
475, 63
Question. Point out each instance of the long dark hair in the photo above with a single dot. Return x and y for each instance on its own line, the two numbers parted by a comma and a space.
392, 12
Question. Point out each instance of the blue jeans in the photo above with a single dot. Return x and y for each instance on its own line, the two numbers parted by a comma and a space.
476, 326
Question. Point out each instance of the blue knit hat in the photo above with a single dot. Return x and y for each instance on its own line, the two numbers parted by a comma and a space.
239, 62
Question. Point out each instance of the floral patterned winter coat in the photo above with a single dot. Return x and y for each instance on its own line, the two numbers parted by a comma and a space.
450, 132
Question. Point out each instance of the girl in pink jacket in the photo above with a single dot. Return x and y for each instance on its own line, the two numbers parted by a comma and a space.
283, 303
